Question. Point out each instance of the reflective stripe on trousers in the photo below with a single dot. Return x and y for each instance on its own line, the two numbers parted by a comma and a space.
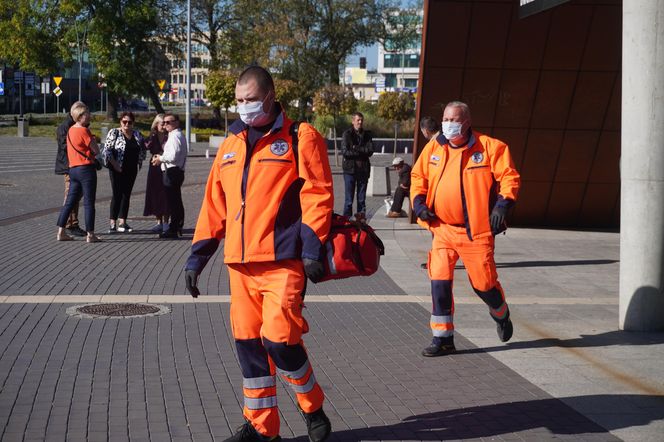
298, 379
442, 326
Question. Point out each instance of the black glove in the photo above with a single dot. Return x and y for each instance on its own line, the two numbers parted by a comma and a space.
191, 279
497, 219
427, 215
313, 269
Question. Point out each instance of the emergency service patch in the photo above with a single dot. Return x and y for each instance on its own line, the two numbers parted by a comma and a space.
279, 147
435, 158
477, 157
228, 155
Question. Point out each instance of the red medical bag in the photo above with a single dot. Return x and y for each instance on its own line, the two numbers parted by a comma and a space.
352, 249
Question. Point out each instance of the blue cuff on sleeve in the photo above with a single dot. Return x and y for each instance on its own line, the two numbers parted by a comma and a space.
504, 203
312, 248
419, 204
201, 252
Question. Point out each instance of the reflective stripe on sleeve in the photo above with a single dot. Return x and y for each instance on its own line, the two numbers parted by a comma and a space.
260, 403
262, 382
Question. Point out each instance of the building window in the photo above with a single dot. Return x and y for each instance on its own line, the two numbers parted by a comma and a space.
392, 60
390, 80
413, 61
410, 82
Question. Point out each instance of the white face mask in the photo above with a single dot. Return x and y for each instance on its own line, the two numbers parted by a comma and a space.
252, 113
452, 130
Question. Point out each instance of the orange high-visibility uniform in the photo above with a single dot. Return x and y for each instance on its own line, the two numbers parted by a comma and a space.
487, 179
273, 207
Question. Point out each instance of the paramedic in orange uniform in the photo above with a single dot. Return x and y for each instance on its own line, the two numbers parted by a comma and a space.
269, 197
462, 185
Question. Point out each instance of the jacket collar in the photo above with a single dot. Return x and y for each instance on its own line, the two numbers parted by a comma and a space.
239, 126
471, 141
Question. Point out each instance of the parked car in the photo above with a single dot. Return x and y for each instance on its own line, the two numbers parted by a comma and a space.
199, 102
133, 104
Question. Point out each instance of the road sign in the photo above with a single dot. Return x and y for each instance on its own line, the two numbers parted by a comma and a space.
18, 76
45, 86
29, 84
161, 84
174, 90
57, 81
57, 91
101, 85
162, 95
2, 89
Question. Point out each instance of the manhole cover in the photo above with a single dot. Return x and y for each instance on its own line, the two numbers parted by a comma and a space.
117, 310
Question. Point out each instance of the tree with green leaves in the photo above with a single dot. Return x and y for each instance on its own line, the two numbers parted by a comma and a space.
334, 100
211, 22
31, 34
396, 107
310, 46
220, 90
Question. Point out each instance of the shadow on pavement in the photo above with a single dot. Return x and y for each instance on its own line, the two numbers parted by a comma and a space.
494, 420
556, 263
616, 337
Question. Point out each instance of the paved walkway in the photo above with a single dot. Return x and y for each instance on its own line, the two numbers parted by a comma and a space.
568, 373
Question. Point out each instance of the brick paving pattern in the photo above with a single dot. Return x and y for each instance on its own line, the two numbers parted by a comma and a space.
175, 377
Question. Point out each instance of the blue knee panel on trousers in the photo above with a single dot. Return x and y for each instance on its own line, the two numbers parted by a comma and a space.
286, 357
441, 295
253, 358
491, 297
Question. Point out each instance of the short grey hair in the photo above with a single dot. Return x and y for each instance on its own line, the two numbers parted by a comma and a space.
464, 107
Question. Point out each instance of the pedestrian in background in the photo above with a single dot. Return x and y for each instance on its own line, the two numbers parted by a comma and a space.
430, 127
62, 168
172, 162
357, 147
271, 202
156, 202
463, 183
82, 149
124, 152
403, 186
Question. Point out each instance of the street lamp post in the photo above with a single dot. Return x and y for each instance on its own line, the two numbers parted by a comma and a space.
188, 97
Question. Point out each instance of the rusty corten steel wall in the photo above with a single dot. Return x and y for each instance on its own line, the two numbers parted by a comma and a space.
548, 85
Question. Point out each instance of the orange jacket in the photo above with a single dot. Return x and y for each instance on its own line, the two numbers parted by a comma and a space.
488, 179
276, 204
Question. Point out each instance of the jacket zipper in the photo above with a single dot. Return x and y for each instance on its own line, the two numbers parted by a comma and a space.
433, 200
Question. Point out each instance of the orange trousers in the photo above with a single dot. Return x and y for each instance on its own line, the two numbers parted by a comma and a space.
267, 323
449, 244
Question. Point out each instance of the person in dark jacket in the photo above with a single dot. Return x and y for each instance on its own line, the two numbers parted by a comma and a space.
62, 168
357, 148
403, 187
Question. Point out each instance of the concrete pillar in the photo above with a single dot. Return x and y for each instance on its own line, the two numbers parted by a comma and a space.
379, 181
642, 167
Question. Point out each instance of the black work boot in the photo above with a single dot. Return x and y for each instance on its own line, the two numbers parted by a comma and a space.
247, 433
318, 425
505, 329
440, 347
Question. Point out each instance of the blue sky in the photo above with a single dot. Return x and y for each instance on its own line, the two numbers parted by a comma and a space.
371, 52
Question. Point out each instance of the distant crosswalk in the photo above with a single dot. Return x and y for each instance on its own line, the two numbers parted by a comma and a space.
20, 155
